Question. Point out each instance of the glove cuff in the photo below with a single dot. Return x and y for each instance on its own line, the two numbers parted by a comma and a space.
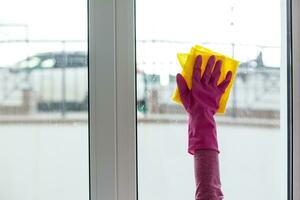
202, 132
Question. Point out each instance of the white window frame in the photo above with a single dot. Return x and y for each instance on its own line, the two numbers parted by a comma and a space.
112, 100
295, 92
113, 170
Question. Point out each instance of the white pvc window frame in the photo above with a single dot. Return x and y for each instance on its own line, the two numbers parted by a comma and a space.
294, 36
112, 100
113, 170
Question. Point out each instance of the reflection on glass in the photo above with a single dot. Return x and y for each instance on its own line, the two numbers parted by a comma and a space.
43, 100
249, 133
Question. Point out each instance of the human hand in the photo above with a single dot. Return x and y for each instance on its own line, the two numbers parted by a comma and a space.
201, 103
205, 93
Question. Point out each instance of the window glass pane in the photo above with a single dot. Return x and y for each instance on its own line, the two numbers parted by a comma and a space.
43, 100
249, 133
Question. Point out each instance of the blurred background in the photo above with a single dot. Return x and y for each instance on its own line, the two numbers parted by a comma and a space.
43, 100
44, 97
251, 138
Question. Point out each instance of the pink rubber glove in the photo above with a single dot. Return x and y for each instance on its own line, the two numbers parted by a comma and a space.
202, 102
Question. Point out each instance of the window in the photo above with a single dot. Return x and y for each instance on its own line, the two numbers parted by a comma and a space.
44, 142
44, 146
250, 135
112, 97
48, 63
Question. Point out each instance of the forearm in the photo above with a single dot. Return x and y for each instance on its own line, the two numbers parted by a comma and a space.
201, 102
208, 184
202, 131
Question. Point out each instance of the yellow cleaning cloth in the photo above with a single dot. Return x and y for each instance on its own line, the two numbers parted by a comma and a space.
187, 63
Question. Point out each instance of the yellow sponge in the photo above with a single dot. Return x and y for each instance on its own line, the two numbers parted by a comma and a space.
187, 63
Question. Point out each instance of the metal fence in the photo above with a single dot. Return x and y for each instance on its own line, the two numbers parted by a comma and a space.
42, 76
256, 91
